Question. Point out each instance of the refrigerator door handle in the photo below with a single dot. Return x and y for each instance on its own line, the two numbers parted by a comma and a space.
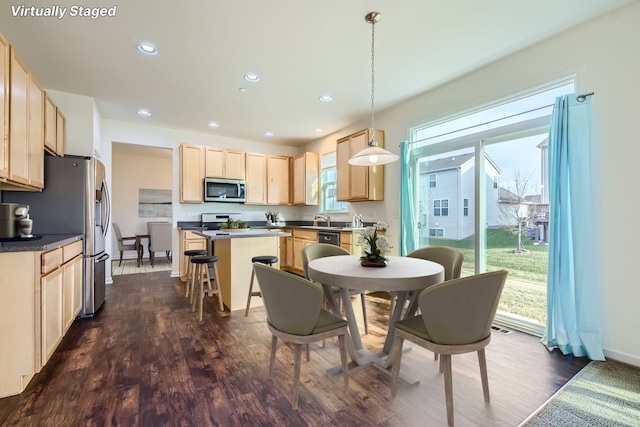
103, 257
107, 208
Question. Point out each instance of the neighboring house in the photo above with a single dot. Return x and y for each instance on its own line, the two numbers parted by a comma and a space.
447, 195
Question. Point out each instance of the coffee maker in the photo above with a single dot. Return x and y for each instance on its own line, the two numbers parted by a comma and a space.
13, 219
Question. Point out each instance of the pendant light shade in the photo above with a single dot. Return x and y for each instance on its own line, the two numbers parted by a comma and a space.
373, 155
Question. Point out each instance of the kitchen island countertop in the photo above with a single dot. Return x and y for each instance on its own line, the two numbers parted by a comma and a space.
39, 243
239, 233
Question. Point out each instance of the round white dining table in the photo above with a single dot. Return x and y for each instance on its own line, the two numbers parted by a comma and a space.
402, 275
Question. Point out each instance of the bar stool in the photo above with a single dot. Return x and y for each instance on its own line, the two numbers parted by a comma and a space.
191, 253
263, 259
201, 274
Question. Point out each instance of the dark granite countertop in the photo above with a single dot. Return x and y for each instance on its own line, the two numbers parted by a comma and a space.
38, 243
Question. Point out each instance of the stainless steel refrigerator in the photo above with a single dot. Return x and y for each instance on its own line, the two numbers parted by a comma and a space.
75, 200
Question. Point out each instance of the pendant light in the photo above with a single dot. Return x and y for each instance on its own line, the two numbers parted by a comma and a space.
373, 155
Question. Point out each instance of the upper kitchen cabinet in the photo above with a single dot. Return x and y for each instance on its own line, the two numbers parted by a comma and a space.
224, 163
4, 106
35, 135
278, 178
54, 131
192, 169
268, 178
256, 177
306, 179
22, 119
358, 183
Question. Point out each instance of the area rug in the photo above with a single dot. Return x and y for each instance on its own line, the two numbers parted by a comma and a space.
602, 394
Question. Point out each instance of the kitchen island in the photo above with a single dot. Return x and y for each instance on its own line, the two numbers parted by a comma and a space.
234, 249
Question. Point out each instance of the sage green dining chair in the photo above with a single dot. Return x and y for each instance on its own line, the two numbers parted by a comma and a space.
456, 318
295, 315
321, 250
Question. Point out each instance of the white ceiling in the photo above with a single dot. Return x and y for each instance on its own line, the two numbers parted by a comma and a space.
301, 50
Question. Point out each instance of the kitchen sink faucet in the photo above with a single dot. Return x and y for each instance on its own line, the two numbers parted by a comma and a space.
323, 216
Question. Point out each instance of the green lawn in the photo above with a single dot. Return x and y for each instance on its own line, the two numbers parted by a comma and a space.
525, 292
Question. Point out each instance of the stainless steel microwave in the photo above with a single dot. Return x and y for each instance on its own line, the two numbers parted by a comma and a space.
225, 190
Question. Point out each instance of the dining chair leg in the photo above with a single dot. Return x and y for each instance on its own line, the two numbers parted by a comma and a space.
296, 375
448, 387
345, 362
274, 344
397, 356
308, 352
120, 263
482, 361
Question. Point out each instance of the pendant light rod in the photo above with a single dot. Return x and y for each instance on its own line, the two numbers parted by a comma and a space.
373, 155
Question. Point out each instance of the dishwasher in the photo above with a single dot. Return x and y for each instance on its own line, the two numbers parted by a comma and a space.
330, 237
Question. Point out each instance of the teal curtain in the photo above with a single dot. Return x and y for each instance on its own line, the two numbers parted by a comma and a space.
407, 240
573, 294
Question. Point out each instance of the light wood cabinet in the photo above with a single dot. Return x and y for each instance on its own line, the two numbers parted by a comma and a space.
54, 127
61, 294
256, 177
268, 178
189, 241
35, 136
302, 239
22, 158
18, 320
5, 59
52, 320
306, 179
72, 282
192, 169
60, 131
224, 163
19, 82
358, 183
278, 178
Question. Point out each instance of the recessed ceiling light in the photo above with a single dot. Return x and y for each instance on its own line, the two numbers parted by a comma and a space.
318, 130
252, 77
268, 134
147, 48
213, 125
144, 112
326, 98
242, 89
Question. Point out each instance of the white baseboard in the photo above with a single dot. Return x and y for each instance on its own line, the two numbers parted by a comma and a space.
622, 357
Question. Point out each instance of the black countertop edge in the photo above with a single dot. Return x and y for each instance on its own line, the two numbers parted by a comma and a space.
44, 243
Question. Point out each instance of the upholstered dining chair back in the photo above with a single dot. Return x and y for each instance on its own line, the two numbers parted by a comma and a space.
319, 250
461, 311
122, 241
450, 258
159, 238
292, 303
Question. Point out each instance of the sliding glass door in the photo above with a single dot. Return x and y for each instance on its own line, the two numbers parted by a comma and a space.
481, 185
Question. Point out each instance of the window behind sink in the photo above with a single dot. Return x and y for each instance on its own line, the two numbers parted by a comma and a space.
328, 179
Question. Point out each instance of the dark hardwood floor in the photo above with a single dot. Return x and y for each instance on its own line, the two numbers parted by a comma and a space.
144, 360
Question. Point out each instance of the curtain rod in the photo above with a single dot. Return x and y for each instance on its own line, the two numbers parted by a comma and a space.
579, 98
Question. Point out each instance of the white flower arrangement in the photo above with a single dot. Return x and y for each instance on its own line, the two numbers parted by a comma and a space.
373, 244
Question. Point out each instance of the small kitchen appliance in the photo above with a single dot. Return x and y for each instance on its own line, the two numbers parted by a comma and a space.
11, 215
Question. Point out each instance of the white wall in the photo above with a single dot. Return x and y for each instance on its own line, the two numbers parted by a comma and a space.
603, 54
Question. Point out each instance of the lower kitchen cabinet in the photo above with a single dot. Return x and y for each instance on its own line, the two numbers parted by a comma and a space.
41, 296
302, 239
52, 322
189, 241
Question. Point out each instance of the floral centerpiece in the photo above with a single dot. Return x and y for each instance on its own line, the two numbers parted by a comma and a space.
374, 245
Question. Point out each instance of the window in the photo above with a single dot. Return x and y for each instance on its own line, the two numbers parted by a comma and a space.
441, 207
495, 181
432, 180
328, 196
465, 207
436, 232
